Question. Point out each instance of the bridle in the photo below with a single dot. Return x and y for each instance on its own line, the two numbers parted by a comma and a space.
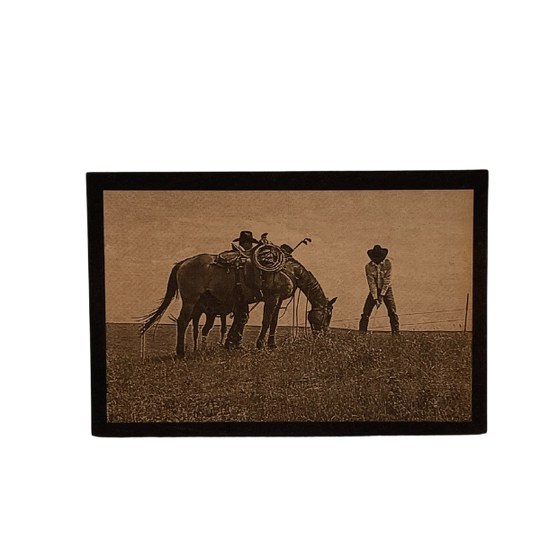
325, 310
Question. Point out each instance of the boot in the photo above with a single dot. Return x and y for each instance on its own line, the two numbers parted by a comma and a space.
233, 341
394, 323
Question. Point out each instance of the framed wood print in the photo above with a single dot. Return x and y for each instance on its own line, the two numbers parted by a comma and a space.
288, 303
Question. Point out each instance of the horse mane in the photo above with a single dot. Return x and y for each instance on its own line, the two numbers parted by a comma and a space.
308, 284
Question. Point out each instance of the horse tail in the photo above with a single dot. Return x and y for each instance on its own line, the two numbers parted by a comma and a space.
172, 291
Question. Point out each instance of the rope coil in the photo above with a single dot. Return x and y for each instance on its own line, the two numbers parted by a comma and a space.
269, 258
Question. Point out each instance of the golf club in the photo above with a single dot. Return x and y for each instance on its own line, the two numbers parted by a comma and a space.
304, 241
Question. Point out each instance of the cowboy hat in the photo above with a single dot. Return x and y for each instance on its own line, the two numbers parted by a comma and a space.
377, 253
246, 236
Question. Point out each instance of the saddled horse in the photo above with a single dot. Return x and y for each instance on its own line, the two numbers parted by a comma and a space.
199, 275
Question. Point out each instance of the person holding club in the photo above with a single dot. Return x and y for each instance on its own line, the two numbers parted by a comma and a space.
379, 274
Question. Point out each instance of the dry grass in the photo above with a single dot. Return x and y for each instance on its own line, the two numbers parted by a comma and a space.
344, 376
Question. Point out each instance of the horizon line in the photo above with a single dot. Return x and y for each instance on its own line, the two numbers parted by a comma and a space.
300, 327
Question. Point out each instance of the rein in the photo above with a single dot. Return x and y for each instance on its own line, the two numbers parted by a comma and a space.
311, 285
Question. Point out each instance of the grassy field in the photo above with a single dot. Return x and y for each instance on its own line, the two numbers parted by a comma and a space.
343, 376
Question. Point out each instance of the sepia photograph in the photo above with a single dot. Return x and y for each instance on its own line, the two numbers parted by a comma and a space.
252, 309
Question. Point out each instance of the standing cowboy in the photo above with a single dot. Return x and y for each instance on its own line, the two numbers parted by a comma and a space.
379, 274
241, 306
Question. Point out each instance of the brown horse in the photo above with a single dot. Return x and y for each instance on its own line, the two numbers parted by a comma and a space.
205, 305
198, 276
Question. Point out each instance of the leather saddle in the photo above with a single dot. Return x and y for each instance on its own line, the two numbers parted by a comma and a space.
235, 257
247, 274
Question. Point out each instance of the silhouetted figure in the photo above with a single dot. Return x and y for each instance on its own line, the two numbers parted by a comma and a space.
379, 275
241, 306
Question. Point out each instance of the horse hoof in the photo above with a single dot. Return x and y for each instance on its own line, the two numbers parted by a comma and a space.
260, 345
272, 345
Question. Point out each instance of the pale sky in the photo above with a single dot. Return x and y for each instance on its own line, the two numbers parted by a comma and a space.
429, 235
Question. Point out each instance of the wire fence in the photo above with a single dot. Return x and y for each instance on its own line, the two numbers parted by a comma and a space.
437, 321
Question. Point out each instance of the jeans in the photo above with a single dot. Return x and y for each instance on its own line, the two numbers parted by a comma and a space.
236, 331
390, 304
240, 313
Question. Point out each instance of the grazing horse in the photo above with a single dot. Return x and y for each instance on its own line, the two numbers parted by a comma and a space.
197, 276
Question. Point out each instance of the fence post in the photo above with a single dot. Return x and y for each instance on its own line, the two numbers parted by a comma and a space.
466, 313
293, 316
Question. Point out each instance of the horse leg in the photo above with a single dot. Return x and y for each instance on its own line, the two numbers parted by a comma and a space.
223, 328
195, 317
273, 326
181, 324
207, 327
270, 305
